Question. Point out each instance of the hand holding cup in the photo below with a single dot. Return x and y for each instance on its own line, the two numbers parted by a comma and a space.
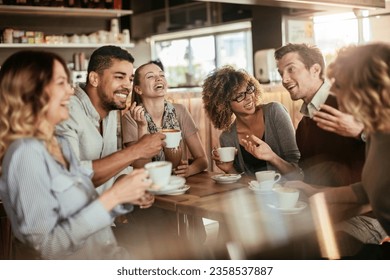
224, 154
159, 172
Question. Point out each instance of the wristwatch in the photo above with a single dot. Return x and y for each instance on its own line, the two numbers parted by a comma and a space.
363, 136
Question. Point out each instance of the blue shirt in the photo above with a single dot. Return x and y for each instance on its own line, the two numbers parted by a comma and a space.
52, 209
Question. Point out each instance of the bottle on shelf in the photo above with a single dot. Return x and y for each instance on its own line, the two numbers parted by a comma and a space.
118, 4
114, 31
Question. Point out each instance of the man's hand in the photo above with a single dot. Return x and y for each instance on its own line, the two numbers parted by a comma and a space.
333, 120
149, 145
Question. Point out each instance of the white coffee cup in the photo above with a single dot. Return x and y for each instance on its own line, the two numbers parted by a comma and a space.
267, 177
172, 137
287, 197
159, 172
226, 154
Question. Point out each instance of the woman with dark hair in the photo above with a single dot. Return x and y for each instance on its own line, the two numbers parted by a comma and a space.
263, 134
150, 112
54, 209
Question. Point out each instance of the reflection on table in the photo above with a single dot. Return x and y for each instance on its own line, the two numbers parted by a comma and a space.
248, 222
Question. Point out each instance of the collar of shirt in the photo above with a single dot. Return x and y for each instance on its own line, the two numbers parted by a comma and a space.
87, 104
318, 99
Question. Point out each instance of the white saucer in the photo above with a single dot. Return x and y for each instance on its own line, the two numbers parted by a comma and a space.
174, 183
226, 178
175, 191
298, 208
258, 190
253, 185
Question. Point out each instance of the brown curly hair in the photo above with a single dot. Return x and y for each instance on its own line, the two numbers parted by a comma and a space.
219, 89
361, 76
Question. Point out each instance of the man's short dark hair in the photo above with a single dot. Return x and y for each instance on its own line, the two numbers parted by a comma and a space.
309, 55
102, 58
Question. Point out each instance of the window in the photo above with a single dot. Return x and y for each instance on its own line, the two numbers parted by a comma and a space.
189, 58
335, 31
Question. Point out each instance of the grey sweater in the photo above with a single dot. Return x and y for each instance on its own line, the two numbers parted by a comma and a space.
375, 185
279, 135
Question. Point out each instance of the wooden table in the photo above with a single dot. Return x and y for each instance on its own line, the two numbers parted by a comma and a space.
201, 185
5, 235
245, 216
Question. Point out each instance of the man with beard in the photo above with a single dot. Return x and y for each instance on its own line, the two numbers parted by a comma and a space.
92, 126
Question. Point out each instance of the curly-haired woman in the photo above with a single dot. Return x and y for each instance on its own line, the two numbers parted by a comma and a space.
263, 134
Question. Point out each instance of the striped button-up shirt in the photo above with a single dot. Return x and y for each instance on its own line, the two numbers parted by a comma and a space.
53, 209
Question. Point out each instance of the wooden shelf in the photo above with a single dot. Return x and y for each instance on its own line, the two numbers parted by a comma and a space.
61, 46
63, 11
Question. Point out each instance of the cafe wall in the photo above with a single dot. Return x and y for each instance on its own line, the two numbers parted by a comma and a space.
377, 30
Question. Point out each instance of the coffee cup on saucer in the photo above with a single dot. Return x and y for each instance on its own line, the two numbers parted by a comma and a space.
226, 154
286, 197
267, 179
159, 172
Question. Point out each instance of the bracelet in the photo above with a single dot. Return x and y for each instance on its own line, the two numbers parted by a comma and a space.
363, 136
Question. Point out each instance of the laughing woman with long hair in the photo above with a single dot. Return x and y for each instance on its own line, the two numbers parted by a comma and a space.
54, 209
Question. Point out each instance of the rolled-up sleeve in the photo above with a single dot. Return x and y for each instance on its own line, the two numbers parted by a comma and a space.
72, 130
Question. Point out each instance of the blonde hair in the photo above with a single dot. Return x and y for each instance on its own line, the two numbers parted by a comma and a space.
23, 78
219, 88
361, 75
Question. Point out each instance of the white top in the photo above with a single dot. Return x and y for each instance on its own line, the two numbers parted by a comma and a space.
82, 132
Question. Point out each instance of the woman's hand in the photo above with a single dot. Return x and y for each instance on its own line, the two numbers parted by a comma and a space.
131, 188
138, 114
182, 169
258, 148
226, 167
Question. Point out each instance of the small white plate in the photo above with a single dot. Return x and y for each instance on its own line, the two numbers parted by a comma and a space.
174, 183
226, 178
176, 191
254, 186
258, 190
298, 208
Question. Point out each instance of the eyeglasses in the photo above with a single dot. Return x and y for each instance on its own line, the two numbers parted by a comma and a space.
242, 95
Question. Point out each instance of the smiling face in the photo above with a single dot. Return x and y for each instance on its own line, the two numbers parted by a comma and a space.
59, 91
113, 85
152, 82
248, 104
301, 83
